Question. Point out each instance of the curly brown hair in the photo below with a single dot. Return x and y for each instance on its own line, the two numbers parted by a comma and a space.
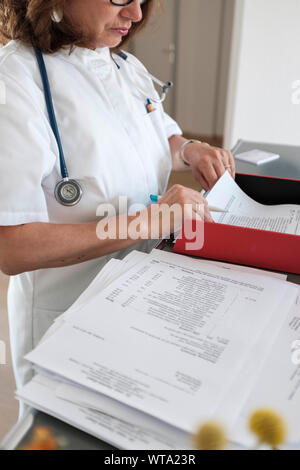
30, 22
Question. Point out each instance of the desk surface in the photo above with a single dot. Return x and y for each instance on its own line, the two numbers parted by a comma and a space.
287, 167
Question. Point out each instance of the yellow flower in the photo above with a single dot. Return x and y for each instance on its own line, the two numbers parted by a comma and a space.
268, 426
210, 436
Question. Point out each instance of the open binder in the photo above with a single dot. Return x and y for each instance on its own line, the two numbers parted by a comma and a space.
252, 247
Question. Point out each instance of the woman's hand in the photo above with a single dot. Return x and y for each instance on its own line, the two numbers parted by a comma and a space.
208, 163
177, 205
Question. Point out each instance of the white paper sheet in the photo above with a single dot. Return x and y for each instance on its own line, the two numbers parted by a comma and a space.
232, 404
109, 273
278, 384
139, 433
244, 212
257, 157
236, 267
155, 345
115, 268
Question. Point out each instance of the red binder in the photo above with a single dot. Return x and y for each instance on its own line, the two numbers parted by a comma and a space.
259, 248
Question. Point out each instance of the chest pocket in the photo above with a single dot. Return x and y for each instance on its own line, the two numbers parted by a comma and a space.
154, 130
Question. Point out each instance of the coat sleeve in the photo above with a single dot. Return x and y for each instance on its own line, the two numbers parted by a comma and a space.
171, 126
27, 155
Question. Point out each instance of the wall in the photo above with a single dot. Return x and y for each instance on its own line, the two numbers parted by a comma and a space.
200, 30
155, 46
265, 62
199, 33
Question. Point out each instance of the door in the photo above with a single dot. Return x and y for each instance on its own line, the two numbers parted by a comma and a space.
156, 47
189, 42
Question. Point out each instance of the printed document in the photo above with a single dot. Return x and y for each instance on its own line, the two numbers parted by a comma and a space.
167, 338
278, 384
124, 428
244, 212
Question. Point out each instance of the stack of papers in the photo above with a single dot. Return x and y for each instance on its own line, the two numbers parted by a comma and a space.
160, 343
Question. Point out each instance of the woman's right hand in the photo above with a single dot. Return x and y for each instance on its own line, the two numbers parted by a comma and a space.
177, 205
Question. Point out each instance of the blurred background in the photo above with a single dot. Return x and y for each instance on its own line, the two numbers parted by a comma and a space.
236, 69
235, 65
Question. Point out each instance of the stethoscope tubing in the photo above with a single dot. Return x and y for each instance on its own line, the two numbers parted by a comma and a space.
164, 85
66, 182
51, 112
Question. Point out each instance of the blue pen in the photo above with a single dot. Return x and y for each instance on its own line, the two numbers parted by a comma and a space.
155, 199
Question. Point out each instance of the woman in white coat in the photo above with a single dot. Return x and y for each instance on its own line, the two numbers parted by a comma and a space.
112, 146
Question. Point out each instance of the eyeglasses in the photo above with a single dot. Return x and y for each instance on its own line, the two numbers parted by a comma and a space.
123, 3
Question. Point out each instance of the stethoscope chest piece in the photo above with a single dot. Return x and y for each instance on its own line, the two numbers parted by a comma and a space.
68, 192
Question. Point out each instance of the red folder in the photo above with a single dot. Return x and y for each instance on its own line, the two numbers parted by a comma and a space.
251, 247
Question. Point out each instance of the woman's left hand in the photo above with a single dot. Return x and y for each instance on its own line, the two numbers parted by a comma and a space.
209, 163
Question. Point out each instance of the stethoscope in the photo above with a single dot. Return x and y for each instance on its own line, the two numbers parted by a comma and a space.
68, 192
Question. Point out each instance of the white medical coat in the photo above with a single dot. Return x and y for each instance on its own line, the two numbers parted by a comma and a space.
111, 145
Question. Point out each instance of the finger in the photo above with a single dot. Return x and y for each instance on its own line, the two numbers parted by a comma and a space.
201, 179
203, 211
172, 194
229, 162
206, 216
226, 160
220, 165
203, 182
174, 189
199, 176
213, 159
232, 163
210, 175
197, 198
